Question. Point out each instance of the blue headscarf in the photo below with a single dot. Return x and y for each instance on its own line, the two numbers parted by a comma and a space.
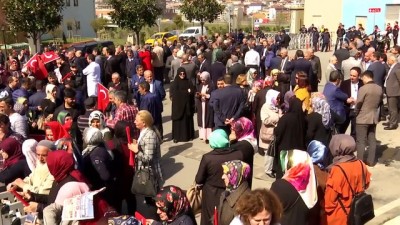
317, 151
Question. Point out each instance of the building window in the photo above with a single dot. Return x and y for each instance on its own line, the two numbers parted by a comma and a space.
77, 25
68, 3
76, 3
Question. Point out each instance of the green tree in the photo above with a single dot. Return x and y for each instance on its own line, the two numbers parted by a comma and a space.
135, 14
178, 21
201, 10
98, 24
33, 17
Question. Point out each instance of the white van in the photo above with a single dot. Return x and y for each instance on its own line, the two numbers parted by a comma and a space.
192, 32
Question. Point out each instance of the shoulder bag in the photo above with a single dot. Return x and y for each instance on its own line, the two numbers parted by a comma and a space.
144, 182
194, 195
361, 207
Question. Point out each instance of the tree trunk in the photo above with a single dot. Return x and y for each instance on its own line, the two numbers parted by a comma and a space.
202, 27
137, 37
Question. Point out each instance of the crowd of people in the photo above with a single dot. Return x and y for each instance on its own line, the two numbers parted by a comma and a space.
250, 98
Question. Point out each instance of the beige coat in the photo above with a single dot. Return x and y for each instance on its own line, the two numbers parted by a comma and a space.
269, 120
368, 100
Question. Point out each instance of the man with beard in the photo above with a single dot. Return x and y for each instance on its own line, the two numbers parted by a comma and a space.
69, 105
40, 180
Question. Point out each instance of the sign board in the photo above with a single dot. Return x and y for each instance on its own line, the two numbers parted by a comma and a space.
374, 10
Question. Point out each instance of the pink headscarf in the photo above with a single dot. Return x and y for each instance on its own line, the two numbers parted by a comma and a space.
69, 190
243, 128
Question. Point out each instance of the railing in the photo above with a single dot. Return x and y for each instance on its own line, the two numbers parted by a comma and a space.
301, 41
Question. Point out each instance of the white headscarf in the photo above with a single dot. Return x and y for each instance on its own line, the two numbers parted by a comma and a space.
29, 150
270, 99
49, 90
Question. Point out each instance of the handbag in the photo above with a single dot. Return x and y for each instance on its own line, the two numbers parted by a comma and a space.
194, 195
144, 182
271, 151
361, 207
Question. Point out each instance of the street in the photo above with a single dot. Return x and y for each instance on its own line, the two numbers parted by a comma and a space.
180, 162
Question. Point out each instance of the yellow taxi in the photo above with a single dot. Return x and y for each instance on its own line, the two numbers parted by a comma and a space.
160, 36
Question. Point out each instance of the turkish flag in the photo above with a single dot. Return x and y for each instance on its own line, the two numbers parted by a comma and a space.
102, 97
36, 66
49, 57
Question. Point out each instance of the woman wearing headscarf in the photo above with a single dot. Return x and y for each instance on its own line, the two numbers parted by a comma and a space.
205, 113
122, 166
319, 156
251, 76
61, 166
209, 174
96, 120
297, 189
66, 120
235, 176
242, 139
173, 208
338, 188
48, 105
54, 131
98, 164
290, 132
319, 123
270, 114
15, 165
182, 96
29, 151
286, 98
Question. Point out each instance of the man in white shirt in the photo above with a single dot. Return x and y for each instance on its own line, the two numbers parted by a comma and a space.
92, 73
252, 59
18, 123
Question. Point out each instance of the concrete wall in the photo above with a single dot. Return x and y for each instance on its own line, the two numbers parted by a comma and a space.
84, 13
323, 12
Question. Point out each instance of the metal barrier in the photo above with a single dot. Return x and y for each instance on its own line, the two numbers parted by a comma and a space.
302, 41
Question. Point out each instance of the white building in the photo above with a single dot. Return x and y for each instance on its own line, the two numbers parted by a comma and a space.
79, 14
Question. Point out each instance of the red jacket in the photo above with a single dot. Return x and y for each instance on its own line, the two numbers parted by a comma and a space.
146, 60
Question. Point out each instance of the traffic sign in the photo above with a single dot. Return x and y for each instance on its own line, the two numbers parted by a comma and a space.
374, 10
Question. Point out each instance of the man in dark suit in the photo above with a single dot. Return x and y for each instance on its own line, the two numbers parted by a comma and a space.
300, 64
316, 70
276, 62
156, 87
367, 115
36, 99
218, 69
117, 85
111, 65
378, 69
336, 98
151, 103
392, 85
236, 69
351, 87
227, 103
205, 65
121, 58
341, 55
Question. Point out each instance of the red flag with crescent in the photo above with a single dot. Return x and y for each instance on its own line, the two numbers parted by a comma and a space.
37, 67
49, 57
102, 97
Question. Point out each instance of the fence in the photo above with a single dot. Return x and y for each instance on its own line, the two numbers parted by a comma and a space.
301, 41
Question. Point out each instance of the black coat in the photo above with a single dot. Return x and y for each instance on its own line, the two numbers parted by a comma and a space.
217, 70
18, 170
235, 70
316, 129
300, 64
209, 175
259, 100
379, 71
111, 66
295, 211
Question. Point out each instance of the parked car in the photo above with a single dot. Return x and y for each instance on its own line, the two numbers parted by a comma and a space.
89, 46
160, 36
192, 32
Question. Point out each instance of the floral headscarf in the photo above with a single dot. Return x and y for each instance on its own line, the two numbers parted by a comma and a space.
244, 130
299, 172
317, 152
269, 81
49, 90
321, 106
237, 172
173, 201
